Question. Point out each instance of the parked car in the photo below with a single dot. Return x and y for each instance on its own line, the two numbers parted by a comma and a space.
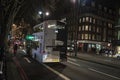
117, 56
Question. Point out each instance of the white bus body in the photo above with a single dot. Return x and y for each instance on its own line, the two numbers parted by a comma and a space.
45, 39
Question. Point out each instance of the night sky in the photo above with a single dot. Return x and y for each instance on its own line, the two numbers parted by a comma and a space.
62, 8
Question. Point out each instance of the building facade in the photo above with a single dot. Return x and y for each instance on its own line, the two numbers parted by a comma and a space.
117, 34
91, 26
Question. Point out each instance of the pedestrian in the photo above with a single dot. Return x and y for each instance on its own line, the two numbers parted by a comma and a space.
15, 47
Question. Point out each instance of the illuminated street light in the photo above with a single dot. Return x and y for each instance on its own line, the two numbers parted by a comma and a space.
73, 1
47, 13
75, 4
43, 14
40, 12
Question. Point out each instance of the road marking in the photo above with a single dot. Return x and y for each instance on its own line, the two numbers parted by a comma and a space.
56, 72
104, 73
73, 63
27, 60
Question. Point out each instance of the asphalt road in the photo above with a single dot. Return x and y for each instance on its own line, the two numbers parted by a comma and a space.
73, 69
77, 69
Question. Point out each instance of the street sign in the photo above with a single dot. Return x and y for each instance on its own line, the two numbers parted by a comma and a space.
29, 37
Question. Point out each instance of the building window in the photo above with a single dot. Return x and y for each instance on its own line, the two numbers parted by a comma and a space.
90, 20
94, 21
97, 29
86, 27
105, 23
87, 19
100, 7
90, 36
89, 28
86, 36
109, 25
99, 22
93, 37
79, 36
104, 34
93, 4
118, 35
98, 37
79, 28
119, 11
83, 3
80, 20
105, 9
74, 35
82, 36
83, 19
83, 27
110, 11
93, 28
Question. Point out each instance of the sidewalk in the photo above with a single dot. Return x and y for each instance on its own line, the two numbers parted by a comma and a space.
109, 61
12, 70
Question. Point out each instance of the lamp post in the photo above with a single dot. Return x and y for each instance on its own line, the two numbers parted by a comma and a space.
76, 22
43, 15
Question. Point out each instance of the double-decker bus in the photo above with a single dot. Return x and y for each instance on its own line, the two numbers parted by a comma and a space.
50, 41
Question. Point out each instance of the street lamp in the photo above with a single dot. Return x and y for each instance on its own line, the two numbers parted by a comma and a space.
40, 12
73, 1
76, 6
43, 15
47, 13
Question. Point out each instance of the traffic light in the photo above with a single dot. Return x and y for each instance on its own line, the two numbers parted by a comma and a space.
30, 37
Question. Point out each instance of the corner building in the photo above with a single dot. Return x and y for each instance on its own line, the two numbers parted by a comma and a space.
91, 25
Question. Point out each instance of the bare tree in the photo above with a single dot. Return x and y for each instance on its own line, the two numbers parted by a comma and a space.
8, 9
